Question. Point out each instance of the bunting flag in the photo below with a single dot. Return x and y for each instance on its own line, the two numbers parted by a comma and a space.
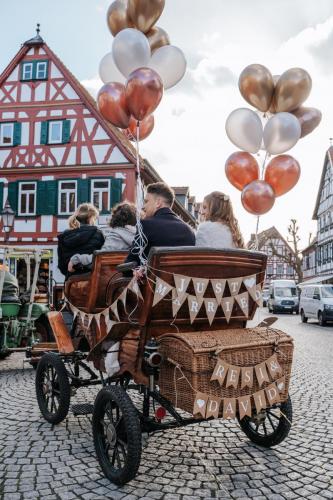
220, 371
114, 309
243, 301
194, 305
274, 367
200, 403
123, 297
272, 394
200, 285
259, 400
161, 290
218, 287
250, 282
227, 304
213, 407
234, 285
229, 408
233, 376
261, 373
211, 308
244, 406
181, 283
281, 384
247, 377
258, 296
177, 301
134, 287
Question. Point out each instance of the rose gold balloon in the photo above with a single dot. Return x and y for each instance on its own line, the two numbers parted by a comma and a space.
282, 173
117, 17
256, 86
145, 128
309, 119
241, 169
272, 108
258, 197
112, 104
157, 38
144, 91
145, 13
292, 88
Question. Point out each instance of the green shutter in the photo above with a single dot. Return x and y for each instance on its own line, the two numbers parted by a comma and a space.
66, 131
17, 133
1, 195
83, 195
47, 192
116, 191
34, 70
13, 195
44, 129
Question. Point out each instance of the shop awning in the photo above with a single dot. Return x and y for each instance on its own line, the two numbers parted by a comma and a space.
317, 279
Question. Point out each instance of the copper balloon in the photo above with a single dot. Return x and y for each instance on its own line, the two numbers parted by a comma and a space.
309, 119
282, 173
117, 17
157, 37
257, 86
144, 91
258, 197
145, 13
112, 104
292, 89
241, 169
145, 128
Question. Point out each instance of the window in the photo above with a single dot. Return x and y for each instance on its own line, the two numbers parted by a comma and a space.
7, 134
34, 70
67, 197
41, 70
269, 269
55, 132
27, 71
27, 198
100, 194
279, 269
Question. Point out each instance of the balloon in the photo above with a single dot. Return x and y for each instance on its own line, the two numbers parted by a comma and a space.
130, 51
117, 17
111, 102
244, 129
281, 133
145, 13
170, 63
145, 128
258, 197
282, 173
257, 86
309, 118
144, 91
108, 71
272, 108
241, 169
292, 89
157, 38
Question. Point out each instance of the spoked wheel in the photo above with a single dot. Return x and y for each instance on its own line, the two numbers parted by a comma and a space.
117, 434
52, 388
269, 427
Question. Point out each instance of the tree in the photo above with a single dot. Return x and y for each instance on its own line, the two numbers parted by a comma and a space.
293, 258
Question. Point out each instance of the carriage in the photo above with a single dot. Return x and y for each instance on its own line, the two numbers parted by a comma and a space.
184, 363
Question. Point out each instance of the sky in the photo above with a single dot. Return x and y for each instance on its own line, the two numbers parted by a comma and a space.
189, 146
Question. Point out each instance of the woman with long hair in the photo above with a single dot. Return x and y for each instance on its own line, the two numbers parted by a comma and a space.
219, 228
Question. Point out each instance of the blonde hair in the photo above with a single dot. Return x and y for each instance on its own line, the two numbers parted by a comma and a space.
86, 213
220, 210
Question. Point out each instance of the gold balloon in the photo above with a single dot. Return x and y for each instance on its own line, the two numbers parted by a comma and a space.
292, 89
117, 17
272, 108
145, 13
309, 119
157, 38
257, 86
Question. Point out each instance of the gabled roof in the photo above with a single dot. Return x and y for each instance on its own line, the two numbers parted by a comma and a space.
311, 245
264, 236
328, 158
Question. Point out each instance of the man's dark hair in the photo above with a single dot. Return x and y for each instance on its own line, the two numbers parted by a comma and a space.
163, 190
123, 214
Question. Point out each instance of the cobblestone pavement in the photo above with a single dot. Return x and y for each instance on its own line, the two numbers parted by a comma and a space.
207, 460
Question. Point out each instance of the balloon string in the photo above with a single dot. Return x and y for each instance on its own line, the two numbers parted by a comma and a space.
263, 164
258, 217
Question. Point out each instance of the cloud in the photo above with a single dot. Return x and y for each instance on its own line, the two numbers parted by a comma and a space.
92, 85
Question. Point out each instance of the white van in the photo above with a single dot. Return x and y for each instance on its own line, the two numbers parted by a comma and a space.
283, 296
316, 301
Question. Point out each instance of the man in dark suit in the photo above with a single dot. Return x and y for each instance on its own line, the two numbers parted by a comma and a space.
161, 226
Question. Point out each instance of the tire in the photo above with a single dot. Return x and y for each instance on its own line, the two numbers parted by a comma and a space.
44, 331
117, 434
321, 320
52, 388
272, 419
303, 317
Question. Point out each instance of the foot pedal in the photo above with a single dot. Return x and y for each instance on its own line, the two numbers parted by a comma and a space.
82, 409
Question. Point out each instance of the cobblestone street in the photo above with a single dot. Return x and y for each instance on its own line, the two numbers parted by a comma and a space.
208, 460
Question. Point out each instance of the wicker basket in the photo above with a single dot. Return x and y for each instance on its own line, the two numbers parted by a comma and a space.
190, 359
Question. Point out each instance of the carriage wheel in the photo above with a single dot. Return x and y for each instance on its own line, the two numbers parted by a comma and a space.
269, 427
117, 434
52, 388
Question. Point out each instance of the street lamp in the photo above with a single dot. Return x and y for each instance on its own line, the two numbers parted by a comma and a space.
7, 216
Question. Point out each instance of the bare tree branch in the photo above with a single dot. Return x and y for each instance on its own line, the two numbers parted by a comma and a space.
293, 258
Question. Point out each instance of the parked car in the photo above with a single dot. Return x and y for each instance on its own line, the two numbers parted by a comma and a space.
283, 297
316, 302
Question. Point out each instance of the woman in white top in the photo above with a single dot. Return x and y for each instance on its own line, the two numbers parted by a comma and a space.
219, 228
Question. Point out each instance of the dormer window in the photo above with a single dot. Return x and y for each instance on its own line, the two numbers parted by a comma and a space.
34, 70
41, 70
27, 71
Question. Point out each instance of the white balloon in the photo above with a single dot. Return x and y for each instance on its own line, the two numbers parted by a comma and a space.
244, 129
170, 63
281, 133
130, 50
108, 71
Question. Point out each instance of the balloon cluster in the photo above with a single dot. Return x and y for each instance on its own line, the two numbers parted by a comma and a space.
141, 64
279, 122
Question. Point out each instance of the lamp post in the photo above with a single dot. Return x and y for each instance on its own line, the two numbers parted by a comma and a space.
7, 216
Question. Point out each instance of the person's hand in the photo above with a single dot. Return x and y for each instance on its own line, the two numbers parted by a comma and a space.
70, 267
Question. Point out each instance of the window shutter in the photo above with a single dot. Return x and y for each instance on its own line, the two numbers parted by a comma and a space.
1, 195
83, 195
116, 191
17, 133
47, 192
44, 129
13, 195
34, 70
66, 131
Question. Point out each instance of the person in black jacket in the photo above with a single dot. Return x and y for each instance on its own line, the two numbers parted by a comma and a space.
82, 237
161, 226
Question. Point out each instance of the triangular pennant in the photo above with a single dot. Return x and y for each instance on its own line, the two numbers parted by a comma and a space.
194, 305
200, 403
218, 287
177, 301
200, 285
114, 309
134, 287
244, 406
75, 311
227, 304
272, 394
220, 371
256, 294
161, 290
229, 408
181, 283
247, 377
259, 400
274, 368
243, 301
211, 308
123, 297
250, 282
98, 320
261, 373
234, 285
213, 407
233, 376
